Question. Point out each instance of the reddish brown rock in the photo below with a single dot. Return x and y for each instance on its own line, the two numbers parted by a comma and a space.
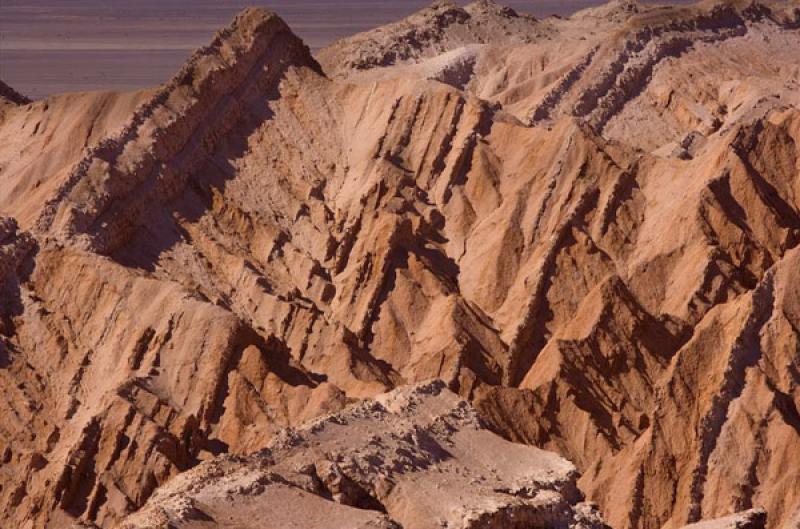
586, 226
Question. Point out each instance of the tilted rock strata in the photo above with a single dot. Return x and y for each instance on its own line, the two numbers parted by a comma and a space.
570, 221
115, 388
442, 27
171, 134
416, 457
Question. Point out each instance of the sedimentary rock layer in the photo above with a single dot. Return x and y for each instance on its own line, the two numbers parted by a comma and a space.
416, 457
585, 226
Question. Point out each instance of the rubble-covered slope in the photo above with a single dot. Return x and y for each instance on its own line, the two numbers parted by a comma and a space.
416, 457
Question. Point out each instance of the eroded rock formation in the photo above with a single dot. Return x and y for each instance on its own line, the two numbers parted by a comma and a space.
415, 457
587, 226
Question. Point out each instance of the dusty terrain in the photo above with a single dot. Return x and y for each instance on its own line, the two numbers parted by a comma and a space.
587, 228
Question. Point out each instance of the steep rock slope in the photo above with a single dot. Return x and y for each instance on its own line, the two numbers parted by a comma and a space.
41, 141
569, 221
115, 377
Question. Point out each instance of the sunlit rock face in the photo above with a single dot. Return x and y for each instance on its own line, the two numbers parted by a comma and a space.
585, 227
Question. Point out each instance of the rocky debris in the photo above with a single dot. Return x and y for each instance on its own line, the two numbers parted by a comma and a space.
455, 68
15, 246
16, 249
444, 26
617, 11
587, 227
752, 519
415, 457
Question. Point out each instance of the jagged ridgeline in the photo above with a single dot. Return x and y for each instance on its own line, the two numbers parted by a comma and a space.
585, 229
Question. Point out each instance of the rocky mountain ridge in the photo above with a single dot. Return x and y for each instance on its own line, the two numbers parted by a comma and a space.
414, 457
587, 227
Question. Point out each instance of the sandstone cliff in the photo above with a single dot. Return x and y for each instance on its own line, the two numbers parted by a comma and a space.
587, 227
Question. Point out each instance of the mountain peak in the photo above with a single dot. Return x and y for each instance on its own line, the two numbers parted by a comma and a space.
9, 94
431, 31
490, 7
208, 93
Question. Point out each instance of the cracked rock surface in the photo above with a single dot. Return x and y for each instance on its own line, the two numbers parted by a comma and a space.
416, 457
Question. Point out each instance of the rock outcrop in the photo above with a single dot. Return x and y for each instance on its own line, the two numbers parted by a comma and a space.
9, 95
170, 135
14, 248
416, 457
587, 227
752, 519
442, 27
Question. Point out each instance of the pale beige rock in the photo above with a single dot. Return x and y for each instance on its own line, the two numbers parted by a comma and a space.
416, 457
